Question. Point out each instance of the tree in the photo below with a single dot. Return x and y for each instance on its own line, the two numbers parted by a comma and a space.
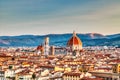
10, 67
33, 76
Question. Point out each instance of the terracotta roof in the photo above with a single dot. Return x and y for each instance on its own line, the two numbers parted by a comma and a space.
23, 56
115, 60
47, 66
72, 74
86, 78
40, 47
4, 56
74, 40
24, 72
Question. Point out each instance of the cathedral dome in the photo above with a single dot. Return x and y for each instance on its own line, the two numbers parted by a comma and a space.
74, 42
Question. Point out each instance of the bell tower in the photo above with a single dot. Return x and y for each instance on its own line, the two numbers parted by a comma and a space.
46, 46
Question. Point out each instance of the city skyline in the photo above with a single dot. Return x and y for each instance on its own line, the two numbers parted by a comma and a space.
41, 17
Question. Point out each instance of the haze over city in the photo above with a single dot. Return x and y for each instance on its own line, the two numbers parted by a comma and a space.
38, 17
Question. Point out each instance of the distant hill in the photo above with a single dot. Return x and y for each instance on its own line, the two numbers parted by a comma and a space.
89, 39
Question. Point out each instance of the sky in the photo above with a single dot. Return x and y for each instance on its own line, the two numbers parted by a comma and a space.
39, 17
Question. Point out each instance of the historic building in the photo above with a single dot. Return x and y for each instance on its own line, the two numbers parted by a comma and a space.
74, 44
40, 50
116, 68
46, 46
44, 49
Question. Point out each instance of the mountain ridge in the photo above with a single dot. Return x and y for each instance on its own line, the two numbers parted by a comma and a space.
88, 39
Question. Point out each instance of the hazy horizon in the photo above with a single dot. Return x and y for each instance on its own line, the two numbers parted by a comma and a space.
58, 34
42, 17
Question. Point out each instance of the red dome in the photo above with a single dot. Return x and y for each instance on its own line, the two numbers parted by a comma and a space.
74, 41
